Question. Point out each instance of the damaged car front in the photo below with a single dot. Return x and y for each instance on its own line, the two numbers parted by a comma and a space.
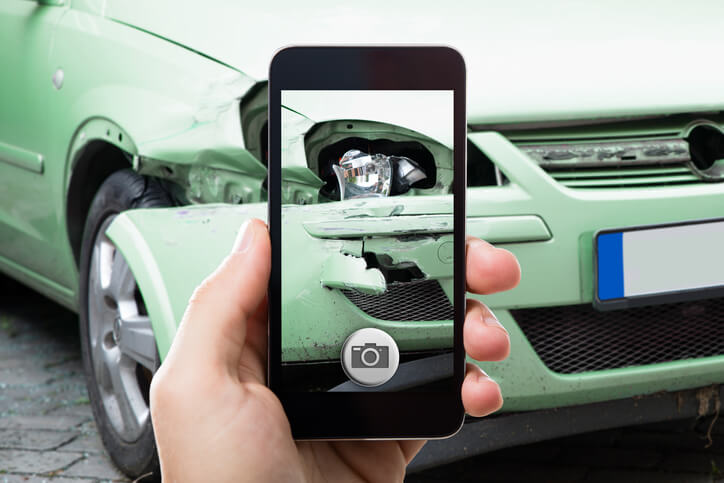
577, 123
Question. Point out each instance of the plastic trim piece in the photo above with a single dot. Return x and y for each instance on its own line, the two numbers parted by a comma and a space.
509, 229
21, 158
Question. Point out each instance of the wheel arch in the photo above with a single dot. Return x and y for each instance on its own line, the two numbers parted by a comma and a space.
99, 148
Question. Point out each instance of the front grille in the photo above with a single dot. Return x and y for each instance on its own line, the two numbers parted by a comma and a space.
614, 163
418, 300
576, 338
625, 176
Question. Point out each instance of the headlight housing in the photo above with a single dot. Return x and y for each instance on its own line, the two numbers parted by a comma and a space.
362, 175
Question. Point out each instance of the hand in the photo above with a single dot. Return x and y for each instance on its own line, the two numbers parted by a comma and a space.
214, 418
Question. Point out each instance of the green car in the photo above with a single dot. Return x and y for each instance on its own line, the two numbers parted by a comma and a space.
133, 143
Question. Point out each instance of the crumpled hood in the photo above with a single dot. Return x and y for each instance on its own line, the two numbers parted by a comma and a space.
526, 60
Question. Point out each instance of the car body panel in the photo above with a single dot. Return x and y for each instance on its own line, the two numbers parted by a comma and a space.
567, 51
153, 241
149, 102
27, 228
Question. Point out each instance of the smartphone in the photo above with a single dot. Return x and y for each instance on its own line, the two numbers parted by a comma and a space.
366, 193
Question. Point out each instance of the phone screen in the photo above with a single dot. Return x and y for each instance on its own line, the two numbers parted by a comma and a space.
367, 279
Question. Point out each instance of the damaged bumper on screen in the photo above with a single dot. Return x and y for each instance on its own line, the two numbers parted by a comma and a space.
334, 278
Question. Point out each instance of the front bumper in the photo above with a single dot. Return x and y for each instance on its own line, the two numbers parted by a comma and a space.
549, 228
559, 271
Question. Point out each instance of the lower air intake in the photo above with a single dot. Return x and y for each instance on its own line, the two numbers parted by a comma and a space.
419, 300
577, 338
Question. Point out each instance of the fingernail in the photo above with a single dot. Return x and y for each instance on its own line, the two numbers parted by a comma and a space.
484, 375
474, 242
491, 321
244, 237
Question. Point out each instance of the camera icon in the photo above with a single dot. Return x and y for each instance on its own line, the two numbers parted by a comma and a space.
370, 356
370, 348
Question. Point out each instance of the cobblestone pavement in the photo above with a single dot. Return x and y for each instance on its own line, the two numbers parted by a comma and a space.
47, 431
46, 424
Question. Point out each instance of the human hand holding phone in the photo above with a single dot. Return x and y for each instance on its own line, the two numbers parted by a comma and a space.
215, 419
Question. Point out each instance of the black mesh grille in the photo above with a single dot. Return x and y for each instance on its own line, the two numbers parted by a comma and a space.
577, 338
417, 300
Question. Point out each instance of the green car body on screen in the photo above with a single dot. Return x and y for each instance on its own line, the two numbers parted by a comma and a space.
133, 146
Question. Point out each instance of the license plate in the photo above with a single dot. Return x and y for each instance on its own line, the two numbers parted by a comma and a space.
659, 264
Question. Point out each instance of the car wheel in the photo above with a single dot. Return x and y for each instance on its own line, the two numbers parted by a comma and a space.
118, 346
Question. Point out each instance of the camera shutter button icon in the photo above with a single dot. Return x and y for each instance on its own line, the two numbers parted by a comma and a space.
370, 357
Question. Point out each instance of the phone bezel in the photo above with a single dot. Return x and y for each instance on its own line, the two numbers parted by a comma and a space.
374, 415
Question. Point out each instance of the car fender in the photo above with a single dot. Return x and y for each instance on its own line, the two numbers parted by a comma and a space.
174, 105
171, 250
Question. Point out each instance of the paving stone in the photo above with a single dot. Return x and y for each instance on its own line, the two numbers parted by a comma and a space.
21, 461
40, 398
95, 466
38, 479
42, 422
13, 363
34, 439
638, 476
88, 427
85, 443
24, 376
77, 407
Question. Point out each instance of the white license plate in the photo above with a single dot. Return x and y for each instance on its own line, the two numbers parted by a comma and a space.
662, 264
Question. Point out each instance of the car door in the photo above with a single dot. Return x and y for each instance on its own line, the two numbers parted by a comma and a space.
29, 227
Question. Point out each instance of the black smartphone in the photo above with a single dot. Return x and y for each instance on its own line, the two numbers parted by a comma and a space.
366, 194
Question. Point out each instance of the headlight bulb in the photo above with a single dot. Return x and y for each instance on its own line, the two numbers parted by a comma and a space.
362, 175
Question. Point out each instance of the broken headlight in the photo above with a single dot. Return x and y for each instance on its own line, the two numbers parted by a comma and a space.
362, 175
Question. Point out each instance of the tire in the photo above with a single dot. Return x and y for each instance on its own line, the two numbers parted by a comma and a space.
118, 374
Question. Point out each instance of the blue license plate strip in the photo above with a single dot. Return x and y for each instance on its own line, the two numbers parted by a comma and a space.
658, 264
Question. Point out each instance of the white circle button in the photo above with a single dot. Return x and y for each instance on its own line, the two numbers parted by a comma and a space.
370, 357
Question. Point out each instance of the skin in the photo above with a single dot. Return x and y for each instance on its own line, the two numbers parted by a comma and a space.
214, 418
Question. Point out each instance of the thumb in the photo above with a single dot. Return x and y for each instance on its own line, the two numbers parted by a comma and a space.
213, 329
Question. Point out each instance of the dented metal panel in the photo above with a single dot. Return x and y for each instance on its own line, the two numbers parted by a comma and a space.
349, 272
432, 255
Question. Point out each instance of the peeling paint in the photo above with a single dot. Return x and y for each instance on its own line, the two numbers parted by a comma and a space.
348, 272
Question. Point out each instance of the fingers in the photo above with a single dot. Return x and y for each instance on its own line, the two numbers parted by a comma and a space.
410, 448
484, 337
481, 395
490, 269
214, 328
